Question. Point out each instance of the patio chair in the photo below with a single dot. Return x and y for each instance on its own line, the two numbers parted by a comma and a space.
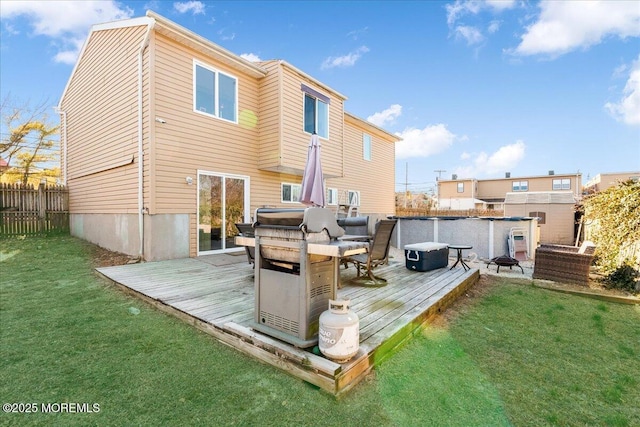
355, 226
378, 254
246, 230
564, 264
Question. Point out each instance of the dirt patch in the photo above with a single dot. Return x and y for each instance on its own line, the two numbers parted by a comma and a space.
106, 258
464, 302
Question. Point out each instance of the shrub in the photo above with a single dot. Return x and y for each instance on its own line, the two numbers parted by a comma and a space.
615, 215
624, 277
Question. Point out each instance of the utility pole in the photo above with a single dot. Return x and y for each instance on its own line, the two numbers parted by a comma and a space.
406, 183
440, 172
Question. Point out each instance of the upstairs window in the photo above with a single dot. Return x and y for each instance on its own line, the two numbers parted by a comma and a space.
214, 93
520, 186
461, 187
366, 147
562, 184
316, 116
316, 112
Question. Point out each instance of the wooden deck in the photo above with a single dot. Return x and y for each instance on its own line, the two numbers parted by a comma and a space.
215, 294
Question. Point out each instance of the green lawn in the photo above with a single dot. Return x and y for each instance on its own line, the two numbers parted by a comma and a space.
519, 356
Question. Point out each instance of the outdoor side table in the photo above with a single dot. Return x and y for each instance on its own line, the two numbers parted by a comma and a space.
459, 249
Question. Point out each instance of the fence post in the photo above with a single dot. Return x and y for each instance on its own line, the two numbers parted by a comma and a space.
42, 208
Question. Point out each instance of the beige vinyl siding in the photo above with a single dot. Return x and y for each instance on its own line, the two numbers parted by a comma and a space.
449, 189
374, 179
269, 123
190, 141
283, 141
499, 187
295, 141
101, 107
559, 225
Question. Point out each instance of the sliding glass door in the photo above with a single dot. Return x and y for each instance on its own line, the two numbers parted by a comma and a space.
223, 201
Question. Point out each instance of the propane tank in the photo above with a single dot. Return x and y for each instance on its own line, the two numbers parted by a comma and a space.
339, 332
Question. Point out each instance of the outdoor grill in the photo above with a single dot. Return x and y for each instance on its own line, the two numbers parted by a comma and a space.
297, 258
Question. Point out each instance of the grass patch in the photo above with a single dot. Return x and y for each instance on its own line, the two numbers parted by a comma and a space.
556, 359
519, 356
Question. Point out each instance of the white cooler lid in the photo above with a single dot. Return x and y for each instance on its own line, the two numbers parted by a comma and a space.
426, 246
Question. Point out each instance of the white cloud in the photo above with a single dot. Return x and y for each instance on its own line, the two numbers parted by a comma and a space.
70, 55
564, 26
251, 57
356, 34
460, 8
424, 142
222, 33
504, 159
500, 5
494, 26
10, 29
66, 22
344, 61
471, 34
627, 109
387, 116
152, 5
195, 7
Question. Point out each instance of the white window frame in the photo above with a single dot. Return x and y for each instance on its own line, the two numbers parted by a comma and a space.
316, 118
216, 100
366, 147
332, 196
293, 189
519, 186
460, 187
353, 196
561, 184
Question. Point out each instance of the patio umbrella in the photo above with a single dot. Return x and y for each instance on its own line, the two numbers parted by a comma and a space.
312, 191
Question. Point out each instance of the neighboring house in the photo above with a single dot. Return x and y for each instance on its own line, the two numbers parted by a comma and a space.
602, 181
491, 193
551, 198
169, 139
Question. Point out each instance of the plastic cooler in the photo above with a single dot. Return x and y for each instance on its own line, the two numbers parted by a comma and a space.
426, 256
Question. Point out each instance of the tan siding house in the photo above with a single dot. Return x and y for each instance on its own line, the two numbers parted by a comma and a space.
602, 181
550, 197
491, 193
169, 140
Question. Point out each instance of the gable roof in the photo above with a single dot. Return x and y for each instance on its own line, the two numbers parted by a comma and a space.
170, 29
348, 117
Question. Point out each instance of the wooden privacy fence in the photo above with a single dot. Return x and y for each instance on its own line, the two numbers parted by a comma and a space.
25, 210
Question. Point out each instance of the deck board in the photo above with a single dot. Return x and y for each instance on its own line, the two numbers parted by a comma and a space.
218, 298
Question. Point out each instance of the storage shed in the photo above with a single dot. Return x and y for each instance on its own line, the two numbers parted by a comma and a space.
555, 211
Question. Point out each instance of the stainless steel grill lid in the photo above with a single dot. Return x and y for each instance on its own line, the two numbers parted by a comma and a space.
309, 220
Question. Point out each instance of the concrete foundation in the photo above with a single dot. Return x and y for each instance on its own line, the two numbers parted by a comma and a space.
165, 236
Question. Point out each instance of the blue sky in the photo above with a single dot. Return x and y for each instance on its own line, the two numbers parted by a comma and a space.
474, 88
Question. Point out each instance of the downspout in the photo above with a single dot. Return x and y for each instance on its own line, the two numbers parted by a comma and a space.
143, 46
63, 147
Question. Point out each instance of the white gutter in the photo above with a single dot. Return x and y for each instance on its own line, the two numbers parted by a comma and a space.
63, 145
143, 46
